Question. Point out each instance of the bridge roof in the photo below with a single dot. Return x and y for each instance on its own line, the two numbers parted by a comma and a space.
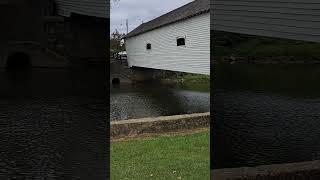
189, 10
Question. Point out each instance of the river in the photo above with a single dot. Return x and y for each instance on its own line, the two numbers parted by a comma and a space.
53, 124
265, 114
152, 100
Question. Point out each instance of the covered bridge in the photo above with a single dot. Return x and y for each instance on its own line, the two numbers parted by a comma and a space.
176, 41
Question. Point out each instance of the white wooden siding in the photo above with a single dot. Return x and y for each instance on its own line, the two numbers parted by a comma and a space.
291, 19
194, 57
96, 8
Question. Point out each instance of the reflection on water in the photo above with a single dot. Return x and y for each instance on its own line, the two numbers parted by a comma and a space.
53, 124
150, 100
265, 114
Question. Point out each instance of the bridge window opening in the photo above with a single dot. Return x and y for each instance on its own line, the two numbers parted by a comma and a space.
18, 61
148, 46
115, 81
181, 41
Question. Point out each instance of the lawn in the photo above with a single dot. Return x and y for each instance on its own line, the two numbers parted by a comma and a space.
264, 48
162, 157
194, 82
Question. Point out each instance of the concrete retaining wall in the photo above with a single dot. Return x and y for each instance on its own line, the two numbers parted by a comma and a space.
163, 124
294, 171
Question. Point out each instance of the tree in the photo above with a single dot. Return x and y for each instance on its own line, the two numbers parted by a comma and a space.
115, 41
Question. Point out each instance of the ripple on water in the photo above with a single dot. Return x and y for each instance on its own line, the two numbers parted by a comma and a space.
53, 138
151, 102
252, 128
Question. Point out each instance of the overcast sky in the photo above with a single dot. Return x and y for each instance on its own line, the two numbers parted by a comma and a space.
138, 11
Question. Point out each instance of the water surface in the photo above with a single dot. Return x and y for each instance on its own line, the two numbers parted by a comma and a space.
53, 124
152, 100
265, 114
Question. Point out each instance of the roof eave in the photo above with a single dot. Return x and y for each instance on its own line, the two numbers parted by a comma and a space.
188, 17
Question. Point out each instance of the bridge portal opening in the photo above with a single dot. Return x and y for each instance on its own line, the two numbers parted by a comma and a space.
18, 61
115, 81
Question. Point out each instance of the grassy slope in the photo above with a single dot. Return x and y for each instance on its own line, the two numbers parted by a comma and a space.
163, 157
194, 82
260, 48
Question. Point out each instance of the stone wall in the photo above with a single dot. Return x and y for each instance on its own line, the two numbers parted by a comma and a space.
292, 171
38, 54
158, 125
119, 69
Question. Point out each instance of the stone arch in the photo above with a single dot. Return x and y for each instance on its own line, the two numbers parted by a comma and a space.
115, 81
18, 61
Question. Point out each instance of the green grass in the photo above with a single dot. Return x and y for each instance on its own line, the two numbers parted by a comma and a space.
262, 48
194, 82
194, 78
162, 157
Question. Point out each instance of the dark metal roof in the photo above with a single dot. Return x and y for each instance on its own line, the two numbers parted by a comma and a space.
189, 10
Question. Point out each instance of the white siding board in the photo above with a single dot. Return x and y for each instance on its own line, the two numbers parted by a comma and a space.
274, 21
269, 4
96, 8
295, 11
165, 54
278, 1
265, 15
273, 27
292, 19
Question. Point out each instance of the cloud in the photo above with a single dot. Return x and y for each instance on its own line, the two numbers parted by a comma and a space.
138, 11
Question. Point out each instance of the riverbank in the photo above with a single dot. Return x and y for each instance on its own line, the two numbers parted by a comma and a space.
236, 48
183, 156
159, 125
299, 170
188, 81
